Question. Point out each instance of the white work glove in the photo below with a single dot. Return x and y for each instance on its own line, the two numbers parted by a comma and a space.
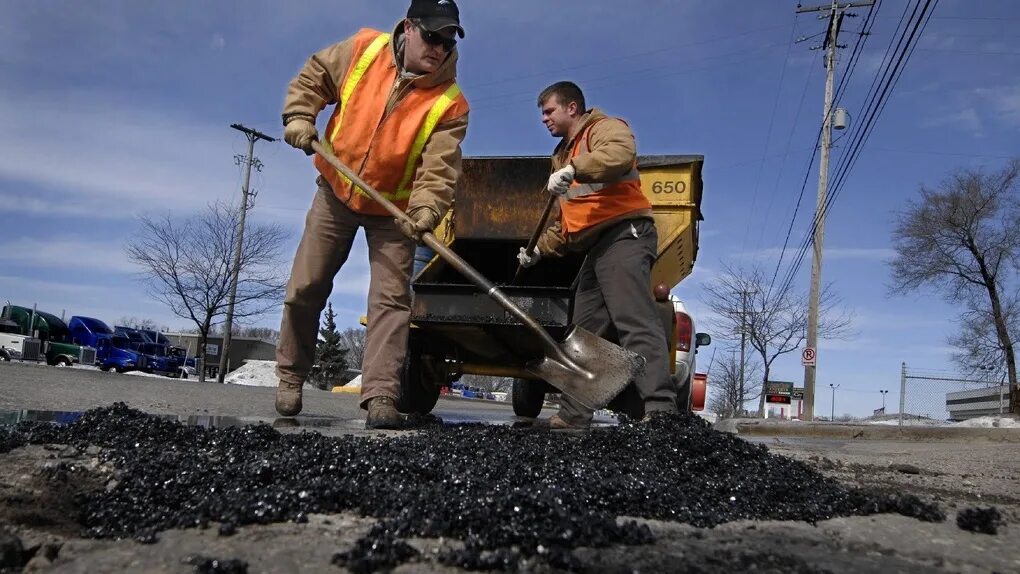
560, 180
300, 133
528, 259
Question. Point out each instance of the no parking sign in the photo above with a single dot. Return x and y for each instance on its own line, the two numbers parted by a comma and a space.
807, 357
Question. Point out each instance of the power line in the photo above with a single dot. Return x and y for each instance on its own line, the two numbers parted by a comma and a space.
889, 73
768, 137
851, 66
601, 63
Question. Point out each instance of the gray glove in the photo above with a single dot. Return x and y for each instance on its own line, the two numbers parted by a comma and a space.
300, 133
424, 220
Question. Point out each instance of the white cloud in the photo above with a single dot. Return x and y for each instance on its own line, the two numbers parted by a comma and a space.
64, 253
218, 42
965, 118
101, 154
1005, 101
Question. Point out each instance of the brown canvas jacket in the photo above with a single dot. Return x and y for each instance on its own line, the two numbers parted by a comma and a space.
317, 85
612, 154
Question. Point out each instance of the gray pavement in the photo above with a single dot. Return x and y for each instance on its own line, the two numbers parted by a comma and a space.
956, 473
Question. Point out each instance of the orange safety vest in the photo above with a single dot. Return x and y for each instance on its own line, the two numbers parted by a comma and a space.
593, 203
384, 149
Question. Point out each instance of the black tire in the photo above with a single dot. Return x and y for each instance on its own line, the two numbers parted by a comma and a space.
528, 397
4, 355
62, 362
419, 381
104, 368
683, 395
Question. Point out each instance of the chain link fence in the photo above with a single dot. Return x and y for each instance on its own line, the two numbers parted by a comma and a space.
934, 397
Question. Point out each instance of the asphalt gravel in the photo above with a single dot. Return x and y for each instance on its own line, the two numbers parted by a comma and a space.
516, 497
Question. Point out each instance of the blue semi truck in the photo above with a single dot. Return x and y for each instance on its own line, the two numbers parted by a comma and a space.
161, 358
112, 351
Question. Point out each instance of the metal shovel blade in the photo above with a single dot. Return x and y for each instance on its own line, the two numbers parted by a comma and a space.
588, 368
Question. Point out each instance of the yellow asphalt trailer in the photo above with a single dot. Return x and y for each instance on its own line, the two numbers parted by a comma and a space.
458, 330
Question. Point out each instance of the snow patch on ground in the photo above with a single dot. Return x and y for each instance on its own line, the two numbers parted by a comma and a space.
254, 374
990, 422
980, 422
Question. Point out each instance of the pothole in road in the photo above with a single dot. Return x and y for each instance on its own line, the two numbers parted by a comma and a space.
512, 495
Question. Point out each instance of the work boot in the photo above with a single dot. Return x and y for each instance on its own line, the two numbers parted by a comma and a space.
288, 398
383, 414
556, 422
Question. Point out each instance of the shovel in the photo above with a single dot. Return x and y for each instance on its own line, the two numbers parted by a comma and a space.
585, 366
534, 236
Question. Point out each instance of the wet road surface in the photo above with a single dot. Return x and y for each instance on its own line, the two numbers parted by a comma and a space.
636, 482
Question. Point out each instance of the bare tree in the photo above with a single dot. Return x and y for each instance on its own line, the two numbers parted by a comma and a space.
264, 333
976, 344
138, 323
186, 264
726, 386
962, 239
774, 321
353, 339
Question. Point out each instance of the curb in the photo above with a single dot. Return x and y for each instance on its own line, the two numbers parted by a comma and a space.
869, 432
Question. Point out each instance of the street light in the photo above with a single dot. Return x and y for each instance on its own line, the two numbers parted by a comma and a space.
832, 413
884, 393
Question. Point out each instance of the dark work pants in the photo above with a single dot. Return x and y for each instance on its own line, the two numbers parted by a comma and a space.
614, 301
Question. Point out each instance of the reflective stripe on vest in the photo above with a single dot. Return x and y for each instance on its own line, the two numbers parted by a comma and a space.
435, 114
439, 107
581, 208
350, 83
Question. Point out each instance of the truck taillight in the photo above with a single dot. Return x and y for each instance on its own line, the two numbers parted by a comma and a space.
684, 332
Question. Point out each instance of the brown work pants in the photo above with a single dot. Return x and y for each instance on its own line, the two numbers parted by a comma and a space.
329, 233
614, 301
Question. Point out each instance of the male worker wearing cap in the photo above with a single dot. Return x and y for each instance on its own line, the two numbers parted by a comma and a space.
603, 213
399, 121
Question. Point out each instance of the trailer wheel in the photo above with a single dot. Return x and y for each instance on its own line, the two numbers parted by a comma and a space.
528, 397
419, 387
4, 355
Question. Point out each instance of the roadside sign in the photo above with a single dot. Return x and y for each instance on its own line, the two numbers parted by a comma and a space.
778, 392
807, 357
212, 349
798, 393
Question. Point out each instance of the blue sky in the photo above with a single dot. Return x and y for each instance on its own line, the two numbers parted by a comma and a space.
111, 109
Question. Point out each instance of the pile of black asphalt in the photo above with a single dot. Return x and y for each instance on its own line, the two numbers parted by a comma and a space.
513, 496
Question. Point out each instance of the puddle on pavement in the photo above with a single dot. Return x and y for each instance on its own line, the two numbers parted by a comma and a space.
324, 425
11, 417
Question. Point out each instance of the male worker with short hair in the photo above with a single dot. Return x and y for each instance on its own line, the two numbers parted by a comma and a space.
603, 213
399, 121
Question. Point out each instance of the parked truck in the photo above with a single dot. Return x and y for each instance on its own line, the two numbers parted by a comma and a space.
53, 334
458, 330
159, 359
112, 351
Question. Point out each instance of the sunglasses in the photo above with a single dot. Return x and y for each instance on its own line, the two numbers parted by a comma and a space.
436, 39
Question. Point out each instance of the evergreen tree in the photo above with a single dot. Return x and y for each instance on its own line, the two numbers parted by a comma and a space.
330, 354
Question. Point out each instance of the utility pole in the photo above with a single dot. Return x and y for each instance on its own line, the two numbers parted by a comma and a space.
832, 413
836, 11
743, 344
743, 340
249, 160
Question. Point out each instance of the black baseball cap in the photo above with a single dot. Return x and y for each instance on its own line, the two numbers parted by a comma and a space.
436, 14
